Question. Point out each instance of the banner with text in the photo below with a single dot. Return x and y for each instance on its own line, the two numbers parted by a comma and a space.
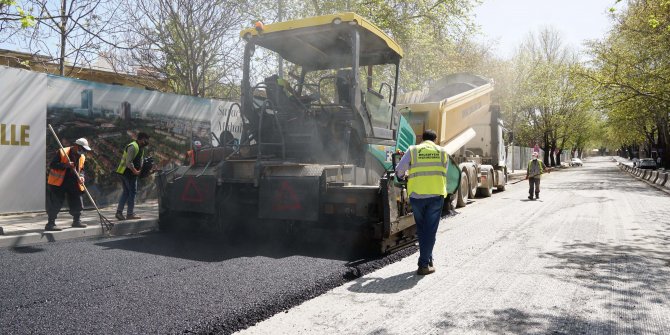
22, 138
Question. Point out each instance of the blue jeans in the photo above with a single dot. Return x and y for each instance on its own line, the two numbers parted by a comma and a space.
129, 184
427, 213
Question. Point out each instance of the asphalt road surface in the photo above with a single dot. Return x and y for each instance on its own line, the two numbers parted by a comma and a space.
161, 283
590, 257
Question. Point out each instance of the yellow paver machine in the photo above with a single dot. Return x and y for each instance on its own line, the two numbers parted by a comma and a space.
317, 144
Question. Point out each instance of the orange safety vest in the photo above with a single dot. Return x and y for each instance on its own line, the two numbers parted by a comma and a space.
56, 176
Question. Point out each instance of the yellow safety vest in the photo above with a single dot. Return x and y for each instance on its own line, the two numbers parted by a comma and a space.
122, 166
427, 169
57, 176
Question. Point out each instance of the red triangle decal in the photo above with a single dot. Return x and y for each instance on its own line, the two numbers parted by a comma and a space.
191, 192
285, 199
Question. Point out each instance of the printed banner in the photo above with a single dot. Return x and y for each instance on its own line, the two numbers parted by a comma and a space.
109, 117
22, 137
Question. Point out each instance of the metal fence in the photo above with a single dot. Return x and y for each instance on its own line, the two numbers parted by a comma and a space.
518, 157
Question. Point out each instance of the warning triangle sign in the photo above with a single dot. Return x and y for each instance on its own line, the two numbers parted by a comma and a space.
191, 192
285, 199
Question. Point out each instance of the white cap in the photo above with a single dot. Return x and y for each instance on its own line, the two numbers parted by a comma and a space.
84, 143
197, 143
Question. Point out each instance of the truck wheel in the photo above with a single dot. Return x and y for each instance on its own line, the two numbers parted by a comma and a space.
462, 194
488, 190
504, 182
472, 183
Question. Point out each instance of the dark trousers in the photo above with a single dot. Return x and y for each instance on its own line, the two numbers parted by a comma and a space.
534, 183
55, 198
129, 183
427, 213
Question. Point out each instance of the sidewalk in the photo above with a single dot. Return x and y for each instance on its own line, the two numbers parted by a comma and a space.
28, 228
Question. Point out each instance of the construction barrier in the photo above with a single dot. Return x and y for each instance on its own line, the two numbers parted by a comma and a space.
662, 179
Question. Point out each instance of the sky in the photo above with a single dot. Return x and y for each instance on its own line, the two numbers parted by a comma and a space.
509, 21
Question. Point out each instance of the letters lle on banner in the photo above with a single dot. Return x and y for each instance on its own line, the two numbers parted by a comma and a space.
14, 134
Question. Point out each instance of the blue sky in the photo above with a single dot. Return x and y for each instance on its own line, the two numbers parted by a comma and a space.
510, 21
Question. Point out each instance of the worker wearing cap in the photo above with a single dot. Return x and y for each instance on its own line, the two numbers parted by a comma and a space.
190, 155
535, 169
427, 188
63, 181
129, 169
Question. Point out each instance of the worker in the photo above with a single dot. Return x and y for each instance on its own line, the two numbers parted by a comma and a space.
190, 154
128, 171
63, 181
535, 169
427, 188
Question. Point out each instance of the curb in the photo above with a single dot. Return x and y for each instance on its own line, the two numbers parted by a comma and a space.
646, 177
120, 229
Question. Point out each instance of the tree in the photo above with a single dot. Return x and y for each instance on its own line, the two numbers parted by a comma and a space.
632, 67
68, 32
545, 94
435, 34
193, 44
10, 13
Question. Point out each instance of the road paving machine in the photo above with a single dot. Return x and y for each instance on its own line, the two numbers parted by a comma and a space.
316, 150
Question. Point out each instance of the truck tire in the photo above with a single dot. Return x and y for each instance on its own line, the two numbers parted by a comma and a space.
488, 190
462, 194
472, 184
504, 182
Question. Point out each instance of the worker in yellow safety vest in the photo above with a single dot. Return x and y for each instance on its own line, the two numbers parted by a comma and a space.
63, 181
426, 168
128, 171
533, 172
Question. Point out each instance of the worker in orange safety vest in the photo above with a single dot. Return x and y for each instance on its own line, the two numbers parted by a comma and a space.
63, 181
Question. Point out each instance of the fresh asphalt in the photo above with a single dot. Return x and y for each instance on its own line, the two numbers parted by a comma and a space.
163, 283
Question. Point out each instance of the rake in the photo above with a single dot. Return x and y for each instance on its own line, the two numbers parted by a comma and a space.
104, 222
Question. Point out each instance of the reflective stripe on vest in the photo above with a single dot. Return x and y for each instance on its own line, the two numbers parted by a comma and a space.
57, 176
122, 166
427, 170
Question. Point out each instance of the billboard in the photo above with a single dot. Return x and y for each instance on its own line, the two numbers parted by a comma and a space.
22, 137
109, 116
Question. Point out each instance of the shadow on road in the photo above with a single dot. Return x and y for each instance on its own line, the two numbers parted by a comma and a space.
515, 321
394, 284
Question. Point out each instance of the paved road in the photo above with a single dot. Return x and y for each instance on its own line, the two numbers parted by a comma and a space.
160, 284
591, 257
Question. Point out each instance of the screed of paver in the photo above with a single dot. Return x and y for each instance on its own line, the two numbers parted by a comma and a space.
590, 257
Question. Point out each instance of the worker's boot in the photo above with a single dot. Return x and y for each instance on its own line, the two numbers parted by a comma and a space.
76, 222
51, 226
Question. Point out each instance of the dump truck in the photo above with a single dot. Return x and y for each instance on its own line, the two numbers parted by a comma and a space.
459, 106
315, 157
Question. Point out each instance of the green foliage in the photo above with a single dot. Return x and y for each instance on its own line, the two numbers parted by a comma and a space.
632, 70
9, 10
436, 35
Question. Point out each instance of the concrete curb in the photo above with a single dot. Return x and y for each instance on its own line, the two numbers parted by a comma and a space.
120, 229
654, 178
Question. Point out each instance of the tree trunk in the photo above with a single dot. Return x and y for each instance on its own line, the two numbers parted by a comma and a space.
63, 37
558, 157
